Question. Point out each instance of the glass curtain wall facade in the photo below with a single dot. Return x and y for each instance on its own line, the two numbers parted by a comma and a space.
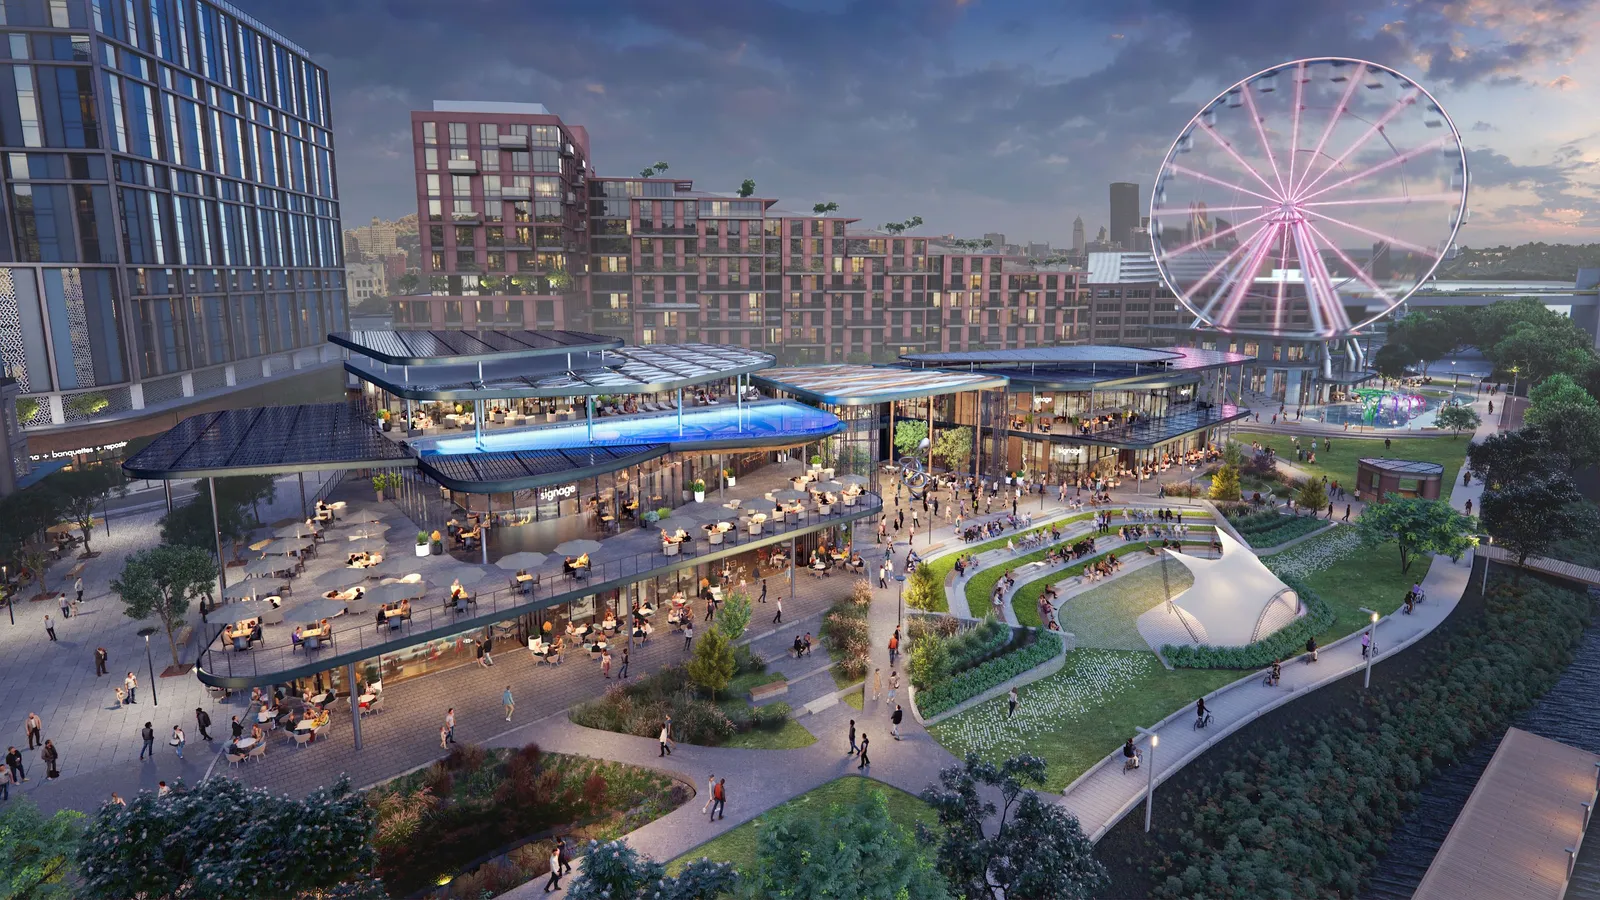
170, 220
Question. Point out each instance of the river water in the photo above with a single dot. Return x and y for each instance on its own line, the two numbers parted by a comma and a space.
1569, 714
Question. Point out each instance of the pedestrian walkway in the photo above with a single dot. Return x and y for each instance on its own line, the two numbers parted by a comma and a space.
1108, 791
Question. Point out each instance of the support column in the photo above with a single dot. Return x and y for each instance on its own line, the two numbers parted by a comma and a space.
477, 423
680, 412
355, 702
301, 477
167, 487
977, 452
588, 418
216, 531
792, 563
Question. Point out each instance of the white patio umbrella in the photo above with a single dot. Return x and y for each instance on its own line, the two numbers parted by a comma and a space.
293, 530
283, 546
242, 590
857, 480
758, 505
471, 575
367, 530
313, 610
361, 517
362, 545
577, 547
832, 487
522, 560
397, 591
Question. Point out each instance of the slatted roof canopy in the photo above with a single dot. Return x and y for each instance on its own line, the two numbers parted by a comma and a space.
431, 347
856, 385
1076, 353
517, 470
267, 440
1402, 466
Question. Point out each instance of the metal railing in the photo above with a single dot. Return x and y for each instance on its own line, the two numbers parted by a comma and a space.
358, 637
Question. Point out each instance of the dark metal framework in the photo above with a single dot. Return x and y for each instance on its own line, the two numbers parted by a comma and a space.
516, 470
435, 348
268, 440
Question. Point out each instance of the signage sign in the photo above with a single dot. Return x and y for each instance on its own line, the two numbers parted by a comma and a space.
549, 495
81, 451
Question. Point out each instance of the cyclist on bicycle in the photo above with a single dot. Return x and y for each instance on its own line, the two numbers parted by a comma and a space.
1277, 672
1130, 752
1200, 711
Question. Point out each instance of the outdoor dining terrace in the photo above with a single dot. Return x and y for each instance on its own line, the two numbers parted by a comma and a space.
404, 599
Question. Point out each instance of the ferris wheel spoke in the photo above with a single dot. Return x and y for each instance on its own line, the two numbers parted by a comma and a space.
1245, 274
1266, 147
1283, 281
1396, 109
1368, 172
1192, 173
1294, 130
1327, 311
1221, 142
1333, 120
1364, 201
1212, 238
1194, 289
1388, 239
1360, 273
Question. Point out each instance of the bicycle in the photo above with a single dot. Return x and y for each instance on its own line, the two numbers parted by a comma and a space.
1129, 763
1202, 721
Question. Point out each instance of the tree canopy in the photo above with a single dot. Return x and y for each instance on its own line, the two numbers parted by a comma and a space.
733, 616
953, 446
923, 589
1457, 418
37, 851
161, 581
1567, 415
853, 851
1225, 483
908, 437
1527, 516
1417, 526
616, 871
81, 491
1312, 495
712, 665
1504, 457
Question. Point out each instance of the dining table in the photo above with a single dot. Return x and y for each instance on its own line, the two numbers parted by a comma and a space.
245, 743
265, 715
322, 698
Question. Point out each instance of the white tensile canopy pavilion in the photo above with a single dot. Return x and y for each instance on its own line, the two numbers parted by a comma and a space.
1235, 600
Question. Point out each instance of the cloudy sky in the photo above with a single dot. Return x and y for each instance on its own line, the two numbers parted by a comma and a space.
978, 115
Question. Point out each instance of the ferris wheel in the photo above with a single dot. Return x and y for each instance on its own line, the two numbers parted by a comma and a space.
1308, 200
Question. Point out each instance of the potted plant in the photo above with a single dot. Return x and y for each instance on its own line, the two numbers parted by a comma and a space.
384, 421
379, 482
650, 517
816, 462
662, 513
699, 488
727, 475
436, 544
422, 543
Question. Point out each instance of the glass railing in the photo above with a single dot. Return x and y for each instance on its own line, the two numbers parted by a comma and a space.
358, 637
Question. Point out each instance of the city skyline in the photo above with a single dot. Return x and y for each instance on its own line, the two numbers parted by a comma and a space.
1052, 104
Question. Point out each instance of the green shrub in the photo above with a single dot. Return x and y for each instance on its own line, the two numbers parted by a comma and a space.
1310, 812
844, 631
963, 687
930, 663
975, 645
1281, 644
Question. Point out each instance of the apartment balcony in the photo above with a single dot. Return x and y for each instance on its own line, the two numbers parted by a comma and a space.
516, 193
462, 166
648, 230
513, 141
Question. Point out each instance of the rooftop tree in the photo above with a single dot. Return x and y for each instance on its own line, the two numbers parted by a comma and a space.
161, 581
823, 209
1418, 526
1527, 516
81, 491
748, 187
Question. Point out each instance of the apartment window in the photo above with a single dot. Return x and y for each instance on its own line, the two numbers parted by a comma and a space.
489, 134
547, 135
430, 133
452, 312
458, 133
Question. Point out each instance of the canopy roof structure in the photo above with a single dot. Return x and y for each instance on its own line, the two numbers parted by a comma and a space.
267, 440
1235, 599
436, 348
1402, 466
651, 369
856, 385
1082, 367
517, 470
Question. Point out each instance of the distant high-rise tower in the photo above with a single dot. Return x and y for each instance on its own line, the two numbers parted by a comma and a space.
1124, 212
998, 240
1079, 240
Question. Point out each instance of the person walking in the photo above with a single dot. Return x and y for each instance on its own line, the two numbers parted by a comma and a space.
894, 684
565, 847
14, 765
34, 726
895, 718
852, 751
148, 735
51, 760
554, 884
100, 657
450, 725
622, 672
444, 737
877, 684
763, 590
1011, 702
238, 728
203, 720
894, 646
605, 663
66, 607
688, 633
5, 783
883, 575
711, 790
49, 627
78, 586
862, 756
1366, 643
719, 799
178, 740
1469, 506
508, 702
132, 684
778, 619
666, 738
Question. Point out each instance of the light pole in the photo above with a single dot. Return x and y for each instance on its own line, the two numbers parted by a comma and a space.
1150, 776
5, 580
900, 608
145, 633
1372, 647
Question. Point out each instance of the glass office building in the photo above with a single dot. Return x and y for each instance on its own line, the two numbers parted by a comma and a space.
171, 219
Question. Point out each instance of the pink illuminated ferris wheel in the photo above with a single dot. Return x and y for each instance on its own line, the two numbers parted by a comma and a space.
1309, 199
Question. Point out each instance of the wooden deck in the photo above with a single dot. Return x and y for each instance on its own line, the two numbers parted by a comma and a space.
1556, 567
1518, 834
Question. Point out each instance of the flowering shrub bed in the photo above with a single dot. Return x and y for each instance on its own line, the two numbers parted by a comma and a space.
1269, 528
1308, 813
1311, 557
639, 706
1095, 677
845, 632
1281, 644
963, 687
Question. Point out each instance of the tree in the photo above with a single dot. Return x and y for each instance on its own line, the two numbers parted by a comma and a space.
1391, 360
712, 666
1312, 495
954, 447
407, 284
733, 616
189, 524
247, 490
853, 851
1005, 859
930, 661
1418, 526
81, 492
616, 871
161, 581
196, 844
36, 852
748, 187
24, 516
1233, 454
1527, 516
1563, 410
653, 170
908, 437
1457, 418
1547, 398
923, 589
1541, 350
1225, 484
1502, 458
823, 209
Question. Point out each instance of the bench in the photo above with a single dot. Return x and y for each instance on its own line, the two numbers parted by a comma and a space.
762, 692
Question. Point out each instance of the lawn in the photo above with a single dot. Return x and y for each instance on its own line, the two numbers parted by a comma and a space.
738, 846
1025, 602
1339, 464
857, 697
1358, 577
1107, 616
1075, 717
735, 701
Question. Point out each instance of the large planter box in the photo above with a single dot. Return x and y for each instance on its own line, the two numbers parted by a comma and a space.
422, 549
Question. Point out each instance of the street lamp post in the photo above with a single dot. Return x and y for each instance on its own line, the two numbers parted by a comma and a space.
1372, 646
1150, 776
5, 580
900, 608
145, 633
